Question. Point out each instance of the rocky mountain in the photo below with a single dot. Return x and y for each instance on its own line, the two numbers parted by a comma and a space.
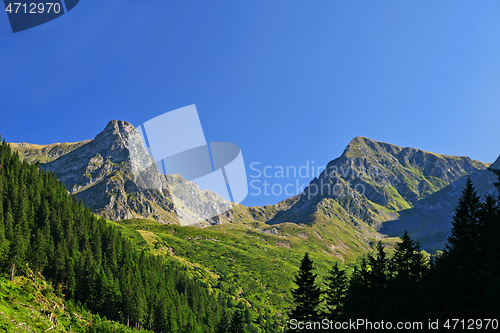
194, 206
44, 153
373, 191
100, 172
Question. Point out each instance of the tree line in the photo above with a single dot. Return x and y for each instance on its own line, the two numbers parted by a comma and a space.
46, 232
463, 282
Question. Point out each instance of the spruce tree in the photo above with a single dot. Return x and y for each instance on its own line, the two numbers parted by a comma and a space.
379, 267
408, 262
4, 245
336, 288
307, 294
237, 325
457, 269
408, 267
463, 240
489, 277
366, 296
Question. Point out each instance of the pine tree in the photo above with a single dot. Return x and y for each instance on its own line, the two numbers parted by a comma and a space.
336, 288
408, 262
379, 265
489, 277
307, 294
408, 267
39, 252
4, 244
463, 241
457, 270
366, 296
237, 325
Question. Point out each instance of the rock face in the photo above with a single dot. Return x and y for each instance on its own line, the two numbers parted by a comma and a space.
373, 190
115, 176
379, 186
100, 173
193, 204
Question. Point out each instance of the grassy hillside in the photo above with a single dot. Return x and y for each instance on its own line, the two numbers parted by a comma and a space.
32, 153
368, 193
45, 230
254, 262
29, 306
373, 183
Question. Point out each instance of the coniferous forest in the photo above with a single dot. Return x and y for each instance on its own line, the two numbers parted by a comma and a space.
458, 289
47, 234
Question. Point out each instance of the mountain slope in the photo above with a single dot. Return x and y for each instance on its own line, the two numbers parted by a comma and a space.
373, 189
99, 172
45, 232
430, 220
374, 182
380, 174
26, 306
44, 153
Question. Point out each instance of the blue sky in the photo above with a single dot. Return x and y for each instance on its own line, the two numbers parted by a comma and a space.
291, 82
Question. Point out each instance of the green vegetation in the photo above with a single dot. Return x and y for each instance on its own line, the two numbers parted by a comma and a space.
470, 262
29, 306
46, 233
237, 276
32, 153
307, 295
238, 259
407, 287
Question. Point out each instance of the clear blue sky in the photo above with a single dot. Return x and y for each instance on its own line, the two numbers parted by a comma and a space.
289, 81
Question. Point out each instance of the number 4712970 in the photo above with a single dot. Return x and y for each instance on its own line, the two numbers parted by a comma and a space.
471, 324
33, 8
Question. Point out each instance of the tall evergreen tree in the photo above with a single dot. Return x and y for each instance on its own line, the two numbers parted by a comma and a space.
463, 241
408, 267
366, 296
457, 270
307, 295
489, 276
408, 261
4, 245
237, 325
336, 288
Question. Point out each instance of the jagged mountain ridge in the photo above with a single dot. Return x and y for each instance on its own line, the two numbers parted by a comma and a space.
373, 183
44, 153
430, 220
381, 184
100, 172
378, 174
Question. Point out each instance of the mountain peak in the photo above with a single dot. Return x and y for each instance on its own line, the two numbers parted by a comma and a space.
360, 139
361, 147
116, 127
116, 124
101, 174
